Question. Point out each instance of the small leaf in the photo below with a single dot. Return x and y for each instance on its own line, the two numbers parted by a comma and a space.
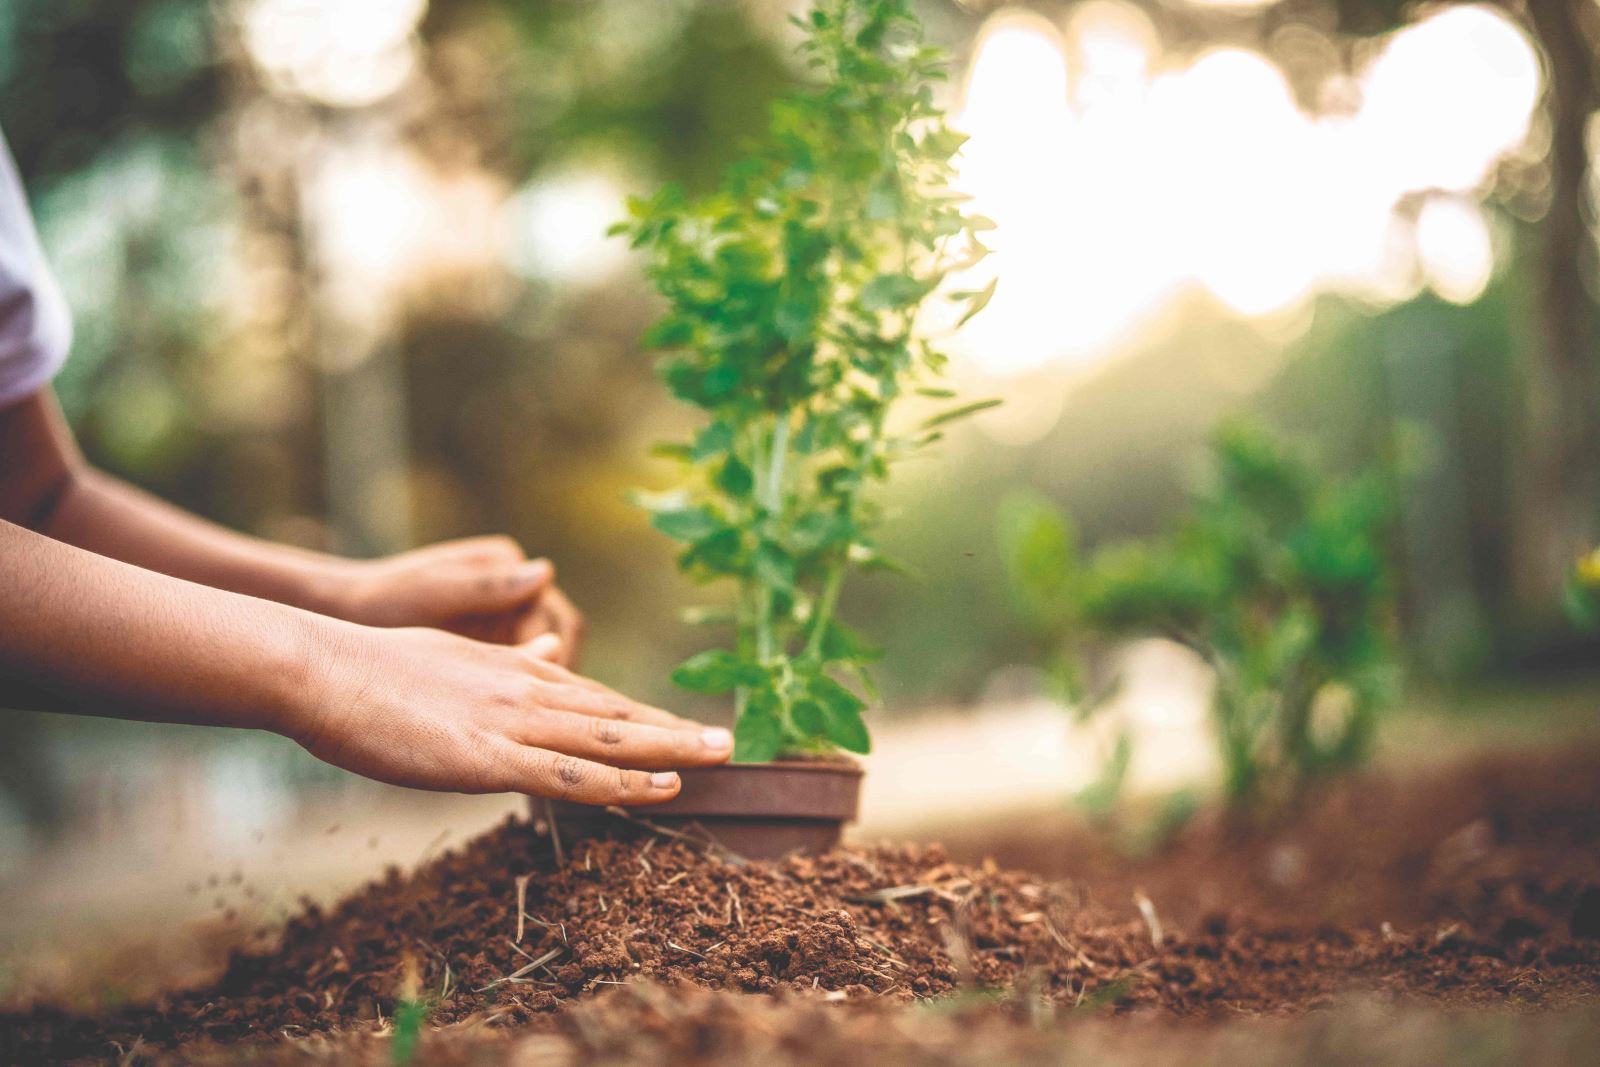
842, 713
818, 530
757, 736
674, 331
954, 414
687, 524
840, 642
977, 301
774, 567
734, 478
715, 440
716, 671
889, 291
809, 718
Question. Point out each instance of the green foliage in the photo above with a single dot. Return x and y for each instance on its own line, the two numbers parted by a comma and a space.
793, 293
1277, 577
1580, 595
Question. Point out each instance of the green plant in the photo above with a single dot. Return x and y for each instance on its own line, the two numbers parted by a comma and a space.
793, 297
1580, 595
1278, 577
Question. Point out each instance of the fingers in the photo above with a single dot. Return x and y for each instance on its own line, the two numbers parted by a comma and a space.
573, 692
495, 548
567, 621
564, 777
620, 743
478, 590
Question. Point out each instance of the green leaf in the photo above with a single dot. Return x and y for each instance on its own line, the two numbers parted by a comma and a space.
774, 567
671, 332
819, 530
976, 302
840, 642
717, 671
809, 718
1039, 548
757, 736
887, 292
842, 712
715, 440
734, 478
687, 524
1581, 602
954, 414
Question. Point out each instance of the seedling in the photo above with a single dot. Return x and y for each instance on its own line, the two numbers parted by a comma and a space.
1278, 577
793, 298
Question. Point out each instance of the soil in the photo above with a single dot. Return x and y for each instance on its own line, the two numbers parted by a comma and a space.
1473, 889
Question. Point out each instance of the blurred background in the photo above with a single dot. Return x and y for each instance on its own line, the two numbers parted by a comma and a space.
340, 279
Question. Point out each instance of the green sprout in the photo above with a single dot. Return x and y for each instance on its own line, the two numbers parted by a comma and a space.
793, 296
1278, 577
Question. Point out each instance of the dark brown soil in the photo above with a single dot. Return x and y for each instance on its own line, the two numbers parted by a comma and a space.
1474, 889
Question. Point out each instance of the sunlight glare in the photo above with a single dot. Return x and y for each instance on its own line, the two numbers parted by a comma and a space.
558, 228
1454, 249
1119, 177
347, 53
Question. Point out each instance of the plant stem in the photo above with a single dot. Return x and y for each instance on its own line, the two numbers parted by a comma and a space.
835, 579
771, 499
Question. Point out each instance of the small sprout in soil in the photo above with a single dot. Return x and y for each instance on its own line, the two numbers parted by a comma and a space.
795, 298
411, 1011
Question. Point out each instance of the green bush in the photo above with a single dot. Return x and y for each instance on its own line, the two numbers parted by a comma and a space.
792, 296
1278, 577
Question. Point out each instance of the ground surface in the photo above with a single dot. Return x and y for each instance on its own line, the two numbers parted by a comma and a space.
1402, 917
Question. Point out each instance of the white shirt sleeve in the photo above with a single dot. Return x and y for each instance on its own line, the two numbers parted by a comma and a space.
35, 324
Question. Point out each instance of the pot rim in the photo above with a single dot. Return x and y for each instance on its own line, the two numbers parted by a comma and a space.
850, 767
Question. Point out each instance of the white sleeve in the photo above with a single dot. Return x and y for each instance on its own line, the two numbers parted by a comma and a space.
35, 324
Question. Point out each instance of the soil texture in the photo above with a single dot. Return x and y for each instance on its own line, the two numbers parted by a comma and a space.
1479, 888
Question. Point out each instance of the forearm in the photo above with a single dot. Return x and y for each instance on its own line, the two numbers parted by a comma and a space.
46, 486
113, 639
102, 515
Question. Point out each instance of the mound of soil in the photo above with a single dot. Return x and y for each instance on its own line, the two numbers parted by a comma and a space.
1508, 836
501, 934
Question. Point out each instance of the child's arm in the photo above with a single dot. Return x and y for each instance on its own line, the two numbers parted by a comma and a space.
414, 707
484, 586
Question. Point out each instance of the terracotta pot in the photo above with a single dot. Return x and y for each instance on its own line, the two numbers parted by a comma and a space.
756, 810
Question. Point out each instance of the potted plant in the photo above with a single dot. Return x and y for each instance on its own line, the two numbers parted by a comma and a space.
793, 296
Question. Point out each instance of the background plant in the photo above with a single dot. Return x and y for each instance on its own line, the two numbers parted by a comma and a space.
793, 298
1278, 577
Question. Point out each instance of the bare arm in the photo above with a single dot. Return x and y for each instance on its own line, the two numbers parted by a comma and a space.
414, 707
483, 587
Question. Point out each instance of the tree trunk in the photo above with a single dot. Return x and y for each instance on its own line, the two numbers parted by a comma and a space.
1558, 505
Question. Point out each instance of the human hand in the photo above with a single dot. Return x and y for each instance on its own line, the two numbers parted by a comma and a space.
431, 710
480, 587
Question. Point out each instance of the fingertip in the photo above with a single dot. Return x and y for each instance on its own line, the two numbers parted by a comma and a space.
665, 782
545, 646
534, 572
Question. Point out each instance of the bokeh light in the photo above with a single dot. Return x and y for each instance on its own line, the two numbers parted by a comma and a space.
341, 52
1121, 177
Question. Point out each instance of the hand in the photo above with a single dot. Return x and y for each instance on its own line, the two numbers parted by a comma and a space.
556, 615
481, 587
431, 710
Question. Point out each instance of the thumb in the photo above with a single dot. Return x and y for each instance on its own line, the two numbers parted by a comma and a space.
489, 590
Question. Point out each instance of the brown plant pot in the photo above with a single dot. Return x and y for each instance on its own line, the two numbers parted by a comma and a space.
756, 810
